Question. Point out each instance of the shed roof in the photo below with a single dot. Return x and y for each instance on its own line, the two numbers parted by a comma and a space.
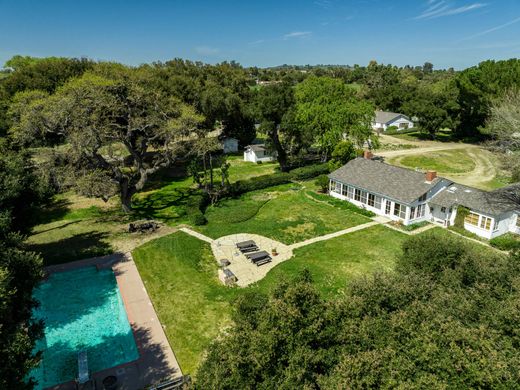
401, 184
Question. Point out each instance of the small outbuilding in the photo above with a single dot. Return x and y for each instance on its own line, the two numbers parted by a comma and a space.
257, 153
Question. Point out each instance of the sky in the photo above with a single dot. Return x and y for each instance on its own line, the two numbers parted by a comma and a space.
447, 33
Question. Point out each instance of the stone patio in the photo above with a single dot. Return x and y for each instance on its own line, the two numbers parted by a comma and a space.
245, 271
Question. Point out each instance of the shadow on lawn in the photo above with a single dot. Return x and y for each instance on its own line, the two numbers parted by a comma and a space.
156, 203
79, 246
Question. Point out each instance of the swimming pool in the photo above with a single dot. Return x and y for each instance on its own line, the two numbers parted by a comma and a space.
82, 310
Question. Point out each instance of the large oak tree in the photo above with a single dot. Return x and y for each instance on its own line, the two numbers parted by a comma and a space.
118, 130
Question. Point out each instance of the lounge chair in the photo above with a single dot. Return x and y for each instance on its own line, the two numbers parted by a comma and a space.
254, 257
249, 249
264, 261
245, 244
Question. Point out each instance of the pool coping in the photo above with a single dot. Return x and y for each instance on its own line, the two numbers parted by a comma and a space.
156, 362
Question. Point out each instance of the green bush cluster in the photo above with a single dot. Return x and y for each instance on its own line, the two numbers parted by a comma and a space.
443, 319
260, 182
507, 242
309, 172
341, 204
392, 130
195, 208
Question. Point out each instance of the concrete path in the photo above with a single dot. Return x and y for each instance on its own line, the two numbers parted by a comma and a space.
333, 235
197, 235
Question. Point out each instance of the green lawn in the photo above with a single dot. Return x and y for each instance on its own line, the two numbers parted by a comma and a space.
447, 161
75, 227
180, 275
283, 213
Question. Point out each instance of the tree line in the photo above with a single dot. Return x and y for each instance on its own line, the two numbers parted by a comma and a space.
107, 128
446, 318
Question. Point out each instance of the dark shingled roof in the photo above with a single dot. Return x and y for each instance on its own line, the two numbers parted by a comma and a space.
386, 116
401, 184
474, 199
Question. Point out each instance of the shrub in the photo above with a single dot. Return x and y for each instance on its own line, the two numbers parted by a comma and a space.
260, 182
198, 219
195, 208
507, 242
392, 128
322, 181
309, 172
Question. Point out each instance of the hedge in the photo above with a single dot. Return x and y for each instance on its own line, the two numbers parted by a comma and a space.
260, 182
507, 242
195, 208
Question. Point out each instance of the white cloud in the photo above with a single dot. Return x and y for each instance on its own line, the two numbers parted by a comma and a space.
207, 51
297, 34
490, 30
440, 8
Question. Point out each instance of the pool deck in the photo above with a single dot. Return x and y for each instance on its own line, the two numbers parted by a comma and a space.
157, 362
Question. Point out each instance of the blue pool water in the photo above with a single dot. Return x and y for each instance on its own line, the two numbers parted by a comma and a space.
82, 310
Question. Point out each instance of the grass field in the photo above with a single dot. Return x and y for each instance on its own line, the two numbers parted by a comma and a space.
449, 161
74, 227
180, 275
283, 213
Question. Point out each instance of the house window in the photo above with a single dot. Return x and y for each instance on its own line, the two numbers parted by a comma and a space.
344, 190
472, 219
371, 199
485, 223
400, 210
360, 196
336, 187
377, 203
495, 225
388, 207
412, 212
420, 210
443, 209
350, 193
518, 221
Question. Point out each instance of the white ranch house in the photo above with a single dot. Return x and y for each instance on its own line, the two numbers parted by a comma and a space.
384, 119
259, 152
410, 196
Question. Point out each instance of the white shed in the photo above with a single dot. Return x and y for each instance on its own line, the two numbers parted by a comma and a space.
256, 153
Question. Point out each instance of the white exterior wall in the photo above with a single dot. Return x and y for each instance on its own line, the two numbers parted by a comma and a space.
399, 121
379, 211
250, 155
396, 122
506, 223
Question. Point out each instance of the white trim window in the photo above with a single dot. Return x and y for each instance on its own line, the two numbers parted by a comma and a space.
336, 187
350, 192
485, 222
374, 201
399, 210
344, 190
388, 207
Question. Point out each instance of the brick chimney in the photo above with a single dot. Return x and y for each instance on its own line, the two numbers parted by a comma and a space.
368, 154
431, 175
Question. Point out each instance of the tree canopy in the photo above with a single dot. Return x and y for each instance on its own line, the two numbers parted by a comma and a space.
444, 319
